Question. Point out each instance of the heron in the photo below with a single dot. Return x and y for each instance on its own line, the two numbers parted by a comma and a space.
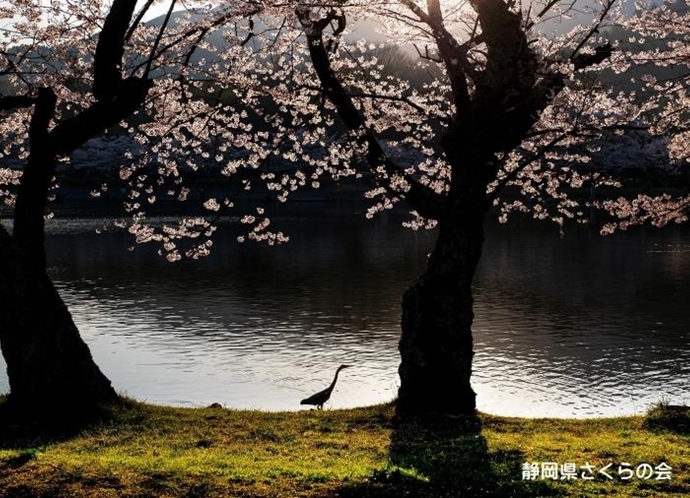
321, 397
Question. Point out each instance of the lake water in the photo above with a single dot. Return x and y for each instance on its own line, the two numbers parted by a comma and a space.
572, 326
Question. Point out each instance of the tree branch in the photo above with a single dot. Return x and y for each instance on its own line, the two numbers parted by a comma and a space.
110, 50
253, 9
547, 7
502, 182
12, 102
601, 53
377, 96
582, 61
73, 132
158, 39
142, 12
35, 182
453, 55
421, 198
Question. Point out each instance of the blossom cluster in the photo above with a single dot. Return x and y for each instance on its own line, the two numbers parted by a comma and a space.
235, 96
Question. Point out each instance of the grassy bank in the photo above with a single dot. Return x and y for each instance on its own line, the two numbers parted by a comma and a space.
144, 450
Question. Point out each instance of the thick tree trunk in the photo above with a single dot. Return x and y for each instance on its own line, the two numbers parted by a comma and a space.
49, 366
436, 346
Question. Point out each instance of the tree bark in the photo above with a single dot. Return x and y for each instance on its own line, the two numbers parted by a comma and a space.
32, 198
49, 366
436, 345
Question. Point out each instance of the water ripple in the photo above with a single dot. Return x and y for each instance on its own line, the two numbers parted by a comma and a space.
580, 326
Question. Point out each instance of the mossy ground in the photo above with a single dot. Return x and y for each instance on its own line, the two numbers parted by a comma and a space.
152, 451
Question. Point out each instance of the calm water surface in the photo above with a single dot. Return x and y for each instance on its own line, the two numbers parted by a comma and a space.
573, 326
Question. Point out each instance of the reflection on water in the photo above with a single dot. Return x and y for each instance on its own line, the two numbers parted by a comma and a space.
576, 326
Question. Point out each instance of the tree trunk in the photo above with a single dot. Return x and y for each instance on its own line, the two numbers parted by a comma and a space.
49, 366
436, 346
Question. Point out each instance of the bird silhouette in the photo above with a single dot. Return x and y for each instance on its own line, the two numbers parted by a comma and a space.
321, 397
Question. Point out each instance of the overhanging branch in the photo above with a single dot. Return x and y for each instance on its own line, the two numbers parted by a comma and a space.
12, 102
601, 52
453, 54
393, 98
421, 198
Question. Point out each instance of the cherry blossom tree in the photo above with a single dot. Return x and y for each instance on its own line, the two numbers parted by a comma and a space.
72, 71
513, 126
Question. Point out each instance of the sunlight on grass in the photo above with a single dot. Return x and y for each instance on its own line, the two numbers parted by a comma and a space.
148, 450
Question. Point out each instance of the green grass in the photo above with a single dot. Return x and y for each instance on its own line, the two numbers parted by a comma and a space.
151, 451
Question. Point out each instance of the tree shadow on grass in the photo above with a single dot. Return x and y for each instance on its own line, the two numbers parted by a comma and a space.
444, 456
26, 435
26, 430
